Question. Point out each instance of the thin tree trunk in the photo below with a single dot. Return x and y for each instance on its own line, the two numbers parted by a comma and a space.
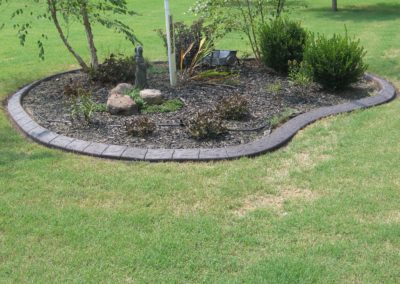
53, 12
279, 7
89, 35
253, 32
334, 5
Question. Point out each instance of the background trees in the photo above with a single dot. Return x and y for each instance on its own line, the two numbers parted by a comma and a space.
334, 5
241, 15
62, 12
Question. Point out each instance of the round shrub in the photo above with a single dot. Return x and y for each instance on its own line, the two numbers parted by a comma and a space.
205, 124
115, 69
335, 62
140, 126
281, 41
235, 107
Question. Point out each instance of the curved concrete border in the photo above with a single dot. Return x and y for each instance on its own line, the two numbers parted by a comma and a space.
272, 141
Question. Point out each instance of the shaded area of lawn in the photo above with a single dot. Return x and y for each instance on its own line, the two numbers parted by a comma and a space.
360, 12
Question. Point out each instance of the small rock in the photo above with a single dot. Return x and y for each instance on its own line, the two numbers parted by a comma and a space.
119, 104
152, 96
122, 89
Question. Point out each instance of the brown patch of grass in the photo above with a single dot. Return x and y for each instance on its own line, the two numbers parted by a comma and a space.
388, 217
392, 53
187, 208
254, 202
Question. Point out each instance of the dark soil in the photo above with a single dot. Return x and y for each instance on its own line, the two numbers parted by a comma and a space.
268, 94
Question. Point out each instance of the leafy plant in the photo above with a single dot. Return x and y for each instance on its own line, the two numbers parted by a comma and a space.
100, 107
205, 124
235, 107
115, 69
135, 95
205, 47
275, 88
231, 82
187, 41
87, 106
73, 89
300, 73
335, 62
64, 12
81, 102
281, 41
244, 16
140, 126
214, 74
167, 106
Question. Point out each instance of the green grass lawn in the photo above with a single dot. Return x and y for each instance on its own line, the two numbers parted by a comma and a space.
323, 209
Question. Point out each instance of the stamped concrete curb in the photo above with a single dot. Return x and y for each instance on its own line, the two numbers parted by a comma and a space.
272, 141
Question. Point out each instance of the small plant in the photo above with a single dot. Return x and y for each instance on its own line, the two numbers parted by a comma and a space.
335, 62
115, 69
283, 117
168, 106
205, 47
87, 106
72, 89
231, 82
83, 105
81, 101
187, 41
275, 88
235, 107
224, 76
100, 107
135, 95
300, 73
140, 126
205, 124
281, 41
213, 74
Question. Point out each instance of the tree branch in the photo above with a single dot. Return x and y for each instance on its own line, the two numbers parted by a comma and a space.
53, 13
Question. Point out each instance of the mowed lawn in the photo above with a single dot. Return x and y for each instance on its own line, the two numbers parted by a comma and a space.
326, 208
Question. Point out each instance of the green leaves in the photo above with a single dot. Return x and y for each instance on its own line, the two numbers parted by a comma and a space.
104, 12
336, 62
281, 41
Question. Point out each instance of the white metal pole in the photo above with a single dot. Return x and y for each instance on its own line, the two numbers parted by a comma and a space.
170, 44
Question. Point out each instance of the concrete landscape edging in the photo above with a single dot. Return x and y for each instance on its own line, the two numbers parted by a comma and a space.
270, 142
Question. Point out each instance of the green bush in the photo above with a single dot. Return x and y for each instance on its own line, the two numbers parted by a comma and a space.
135, 96
168, 106
205, 124
81, 101
185, 37
115, 69
235, 107
300, 74
140, 126
282, 40
335, 62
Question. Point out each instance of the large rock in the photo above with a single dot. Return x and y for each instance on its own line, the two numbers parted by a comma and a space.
152, 96
122, 89
121, 104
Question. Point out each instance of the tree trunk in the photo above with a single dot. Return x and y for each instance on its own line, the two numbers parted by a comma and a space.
89, 35
53, 12
334, 5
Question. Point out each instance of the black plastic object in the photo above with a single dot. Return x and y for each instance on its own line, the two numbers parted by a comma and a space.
221, 58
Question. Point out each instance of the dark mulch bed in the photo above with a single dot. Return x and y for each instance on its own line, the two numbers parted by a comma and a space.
269, 95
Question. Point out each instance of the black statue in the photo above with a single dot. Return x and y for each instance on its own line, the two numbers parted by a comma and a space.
141, 69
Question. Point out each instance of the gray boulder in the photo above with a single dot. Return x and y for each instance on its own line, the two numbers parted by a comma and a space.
152, 96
